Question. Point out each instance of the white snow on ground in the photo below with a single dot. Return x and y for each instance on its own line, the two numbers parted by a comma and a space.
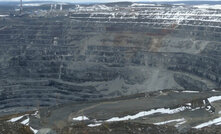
204, 102
142, 114
36, 112
188, 104
3, 15
80, 118
205, 6
94, 125
146, 113
93, 8
141, 4
193, 109
16, 119
180, 123
170, 121
162, 111
179, 15
34, 130
26, 121
216, 121
190, 91
214, 98
179, 4
32, 5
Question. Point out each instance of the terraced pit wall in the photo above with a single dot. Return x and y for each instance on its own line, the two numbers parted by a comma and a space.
50, 61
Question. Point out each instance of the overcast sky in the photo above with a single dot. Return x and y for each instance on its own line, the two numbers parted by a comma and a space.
106, 0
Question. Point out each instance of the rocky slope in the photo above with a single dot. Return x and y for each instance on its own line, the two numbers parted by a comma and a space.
103, 51
113, 128
167, 111
14, 128
135, 128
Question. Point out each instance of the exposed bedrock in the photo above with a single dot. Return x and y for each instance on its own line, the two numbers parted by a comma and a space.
49, 61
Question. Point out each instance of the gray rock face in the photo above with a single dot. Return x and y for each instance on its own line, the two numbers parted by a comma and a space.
102, 53
46, 131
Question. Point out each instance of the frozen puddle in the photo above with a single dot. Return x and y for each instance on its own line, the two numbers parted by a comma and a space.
216, 121
26, 121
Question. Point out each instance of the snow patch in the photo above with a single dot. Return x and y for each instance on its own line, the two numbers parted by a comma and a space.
94, 125
80, 118
2, 15
16, 118
169, 121
140, 114
32, 5
214, 121
93, 8
141, 4
161, 111
218, 124
214, 98
188, 104
204, 102
190, 91
206, 6
197, 108
180, 123
34, 130
146, 113
26, 121
179, 4
36, 114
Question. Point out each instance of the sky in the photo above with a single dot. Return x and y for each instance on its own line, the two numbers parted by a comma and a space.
78, 1
108, 0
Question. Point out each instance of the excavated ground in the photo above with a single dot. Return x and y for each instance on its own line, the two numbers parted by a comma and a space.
187, 111
104, 51
62, 65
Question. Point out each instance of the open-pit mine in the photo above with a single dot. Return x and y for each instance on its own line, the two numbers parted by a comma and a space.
150, 68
